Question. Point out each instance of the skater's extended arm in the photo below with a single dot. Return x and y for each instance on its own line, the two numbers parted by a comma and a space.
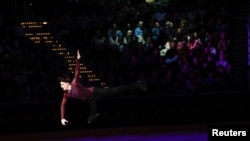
77, 68
63, 104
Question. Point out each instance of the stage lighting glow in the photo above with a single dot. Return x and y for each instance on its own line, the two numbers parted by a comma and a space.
150, 1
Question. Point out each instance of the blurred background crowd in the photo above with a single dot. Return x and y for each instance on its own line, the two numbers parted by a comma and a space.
176, 47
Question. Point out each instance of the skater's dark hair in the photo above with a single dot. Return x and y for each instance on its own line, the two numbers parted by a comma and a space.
64, 78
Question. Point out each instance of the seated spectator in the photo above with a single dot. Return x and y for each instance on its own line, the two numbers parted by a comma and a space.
222, 62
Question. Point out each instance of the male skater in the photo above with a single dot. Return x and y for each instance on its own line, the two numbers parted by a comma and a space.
76, 90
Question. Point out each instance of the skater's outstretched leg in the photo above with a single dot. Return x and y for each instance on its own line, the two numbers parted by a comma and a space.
103, 92
93, 109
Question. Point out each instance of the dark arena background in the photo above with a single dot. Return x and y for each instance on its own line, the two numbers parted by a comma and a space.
193, 55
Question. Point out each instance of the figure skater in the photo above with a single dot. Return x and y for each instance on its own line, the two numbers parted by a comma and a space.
74, 89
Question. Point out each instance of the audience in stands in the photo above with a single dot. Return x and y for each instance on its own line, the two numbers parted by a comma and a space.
175, 48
